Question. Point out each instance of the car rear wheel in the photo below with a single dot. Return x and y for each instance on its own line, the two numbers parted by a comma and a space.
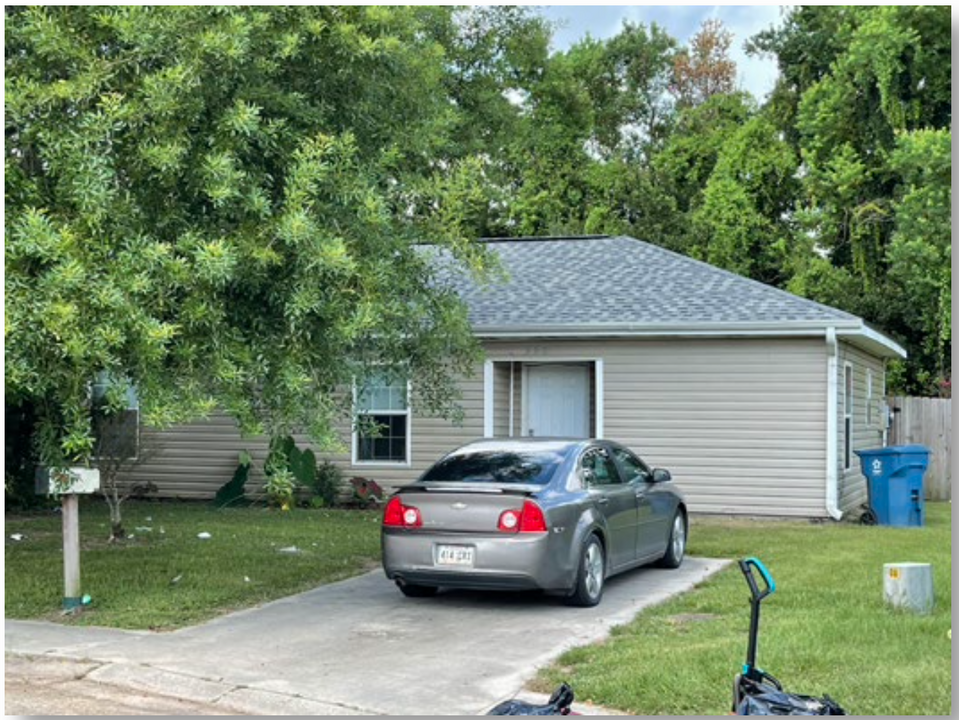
676, 544
417, 591
591, 577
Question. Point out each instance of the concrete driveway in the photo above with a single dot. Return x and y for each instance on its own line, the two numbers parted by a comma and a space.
359, 646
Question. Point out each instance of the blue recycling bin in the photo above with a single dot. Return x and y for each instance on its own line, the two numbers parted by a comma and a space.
894, 478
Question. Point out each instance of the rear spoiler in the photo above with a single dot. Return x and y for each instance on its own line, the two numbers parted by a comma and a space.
469, 488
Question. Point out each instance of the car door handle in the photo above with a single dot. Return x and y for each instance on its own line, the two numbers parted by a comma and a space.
602, 501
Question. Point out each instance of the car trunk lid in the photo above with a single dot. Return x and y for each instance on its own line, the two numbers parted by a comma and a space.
465, 508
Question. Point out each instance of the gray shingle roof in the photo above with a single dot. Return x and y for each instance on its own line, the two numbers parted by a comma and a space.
623, 282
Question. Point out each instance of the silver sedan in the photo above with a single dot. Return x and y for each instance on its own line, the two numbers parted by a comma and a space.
555, 515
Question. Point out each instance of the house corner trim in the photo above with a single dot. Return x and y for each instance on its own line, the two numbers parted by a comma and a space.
832, 425
488, 399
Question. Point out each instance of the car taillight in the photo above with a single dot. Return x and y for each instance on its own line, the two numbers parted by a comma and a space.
528, 519
396, 514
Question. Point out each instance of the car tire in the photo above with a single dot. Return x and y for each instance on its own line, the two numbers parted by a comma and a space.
590, 575
417, 591
676, 543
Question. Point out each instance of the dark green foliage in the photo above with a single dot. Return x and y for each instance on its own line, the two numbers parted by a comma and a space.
232, 492
303, 467
20, 463
865, 100
327, 484
285, 455
222, 204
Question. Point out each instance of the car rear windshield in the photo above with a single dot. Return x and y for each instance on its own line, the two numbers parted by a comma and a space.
497, 466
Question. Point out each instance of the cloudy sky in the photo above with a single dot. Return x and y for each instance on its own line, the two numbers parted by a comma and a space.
681, 21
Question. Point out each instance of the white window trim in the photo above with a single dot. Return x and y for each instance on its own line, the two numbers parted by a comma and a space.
355, 443
525, 360
848, 412
488, 399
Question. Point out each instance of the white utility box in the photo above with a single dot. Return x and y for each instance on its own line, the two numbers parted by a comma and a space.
908, 586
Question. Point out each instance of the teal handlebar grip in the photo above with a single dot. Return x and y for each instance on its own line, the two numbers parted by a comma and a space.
746, 566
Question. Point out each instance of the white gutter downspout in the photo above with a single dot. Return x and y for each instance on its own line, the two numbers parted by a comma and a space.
832, 425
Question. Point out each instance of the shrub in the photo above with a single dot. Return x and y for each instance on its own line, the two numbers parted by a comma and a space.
280, 487
326, 484
232, 492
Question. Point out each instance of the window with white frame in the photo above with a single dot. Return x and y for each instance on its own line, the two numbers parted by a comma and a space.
847, 414
382, 430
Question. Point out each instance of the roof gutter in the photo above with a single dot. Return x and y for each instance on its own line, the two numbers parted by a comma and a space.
569, 330
854, 330
832, 425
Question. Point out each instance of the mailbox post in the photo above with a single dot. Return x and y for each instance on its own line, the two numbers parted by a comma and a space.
69, 484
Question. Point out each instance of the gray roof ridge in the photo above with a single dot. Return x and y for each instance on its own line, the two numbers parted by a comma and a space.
542, 238
737, 276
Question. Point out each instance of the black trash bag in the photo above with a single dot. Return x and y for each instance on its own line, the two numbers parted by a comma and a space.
762, 699
559, 704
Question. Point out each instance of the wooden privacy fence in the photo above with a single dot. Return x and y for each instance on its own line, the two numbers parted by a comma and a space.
926, 421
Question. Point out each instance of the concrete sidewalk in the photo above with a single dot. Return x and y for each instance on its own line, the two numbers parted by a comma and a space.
358, 647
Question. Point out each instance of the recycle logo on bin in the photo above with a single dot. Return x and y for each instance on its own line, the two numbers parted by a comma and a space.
877, 467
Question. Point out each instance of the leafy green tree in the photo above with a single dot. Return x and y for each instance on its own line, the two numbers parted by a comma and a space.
221, 206
545, 165
591, 122
684, 166
744, 223
626, 79
863, 94
920, 251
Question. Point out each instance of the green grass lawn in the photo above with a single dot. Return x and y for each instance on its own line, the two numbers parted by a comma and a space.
131, 583
825, 630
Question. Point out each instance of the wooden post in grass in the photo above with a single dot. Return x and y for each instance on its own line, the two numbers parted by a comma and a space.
70, 505
69, 484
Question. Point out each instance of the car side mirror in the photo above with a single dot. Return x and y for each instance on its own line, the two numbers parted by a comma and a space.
661, 475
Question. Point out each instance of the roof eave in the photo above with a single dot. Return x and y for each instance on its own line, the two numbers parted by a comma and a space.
873, 341
852, 329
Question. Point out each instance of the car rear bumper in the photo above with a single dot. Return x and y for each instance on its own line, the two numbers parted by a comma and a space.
514, 562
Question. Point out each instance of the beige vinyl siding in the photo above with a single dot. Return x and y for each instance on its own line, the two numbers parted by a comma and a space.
193, 461
517, 400
852, 483
432, 437
501, 377
739, 422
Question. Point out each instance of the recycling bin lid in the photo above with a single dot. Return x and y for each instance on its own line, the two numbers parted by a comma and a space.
895, 450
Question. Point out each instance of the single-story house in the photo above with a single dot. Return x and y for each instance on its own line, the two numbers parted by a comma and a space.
753, 398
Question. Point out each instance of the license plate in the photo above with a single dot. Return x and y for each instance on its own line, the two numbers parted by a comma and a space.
457, 555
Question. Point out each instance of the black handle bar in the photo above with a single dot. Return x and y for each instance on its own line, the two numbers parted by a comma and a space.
747, 566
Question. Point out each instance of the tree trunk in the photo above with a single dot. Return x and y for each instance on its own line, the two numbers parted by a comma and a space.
116, 519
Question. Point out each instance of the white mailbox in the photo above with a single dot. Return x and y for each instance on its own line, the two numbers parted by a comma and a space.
67, 481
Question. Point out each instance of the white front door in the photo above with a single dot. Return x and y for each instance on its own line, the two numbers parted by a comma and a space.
557, 401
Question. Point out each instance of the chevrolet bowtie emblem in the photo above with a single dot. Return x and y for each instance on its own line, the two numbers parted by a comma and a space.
458, 506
